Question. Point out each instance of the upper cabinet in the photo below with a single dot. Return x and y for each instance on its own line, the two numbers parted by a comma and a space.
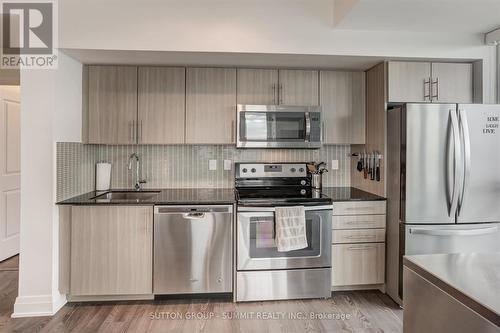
409, 81
210, 105
112, 105
452, 83
272, 86
430, 82
161, 105
342, 98
298, 87
257, 86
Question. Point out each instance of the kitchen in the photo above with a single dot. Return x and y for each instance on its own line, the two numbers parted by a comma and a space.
168, 174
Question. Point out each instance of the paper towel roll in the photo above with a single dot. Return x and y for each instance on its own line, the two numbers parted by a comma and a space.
103, 176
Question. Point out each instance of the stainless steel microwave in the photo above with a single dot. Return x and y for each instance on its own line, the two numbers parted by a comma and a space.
278, 126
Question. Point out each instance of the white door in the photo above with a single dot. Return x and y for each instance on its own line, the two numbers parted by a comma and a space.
10, 168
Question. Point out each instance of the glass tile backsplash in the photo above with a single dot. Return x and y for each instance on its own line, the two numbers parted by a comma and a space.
180, 166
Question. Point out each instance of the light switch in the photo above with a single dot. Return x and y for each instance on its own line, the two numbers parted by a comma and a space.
335, 164
212, 165
228, 164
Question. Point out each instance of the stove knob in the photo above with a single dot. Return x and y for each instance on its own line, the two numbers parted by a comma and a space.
301, 169
302, 182
244, 170
303, 192
253, 170
292, 170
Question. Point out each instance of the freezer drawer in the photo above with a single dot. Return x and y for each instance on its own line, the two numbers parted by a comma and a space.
420, 239
192, 249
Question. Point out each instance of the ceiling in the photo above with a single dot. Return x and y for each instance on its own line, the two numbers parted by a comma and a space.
467, 16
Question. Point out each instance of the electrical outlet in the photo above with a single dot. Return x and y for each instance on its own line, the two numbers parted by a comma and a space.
228, 164
212, 165
335, 164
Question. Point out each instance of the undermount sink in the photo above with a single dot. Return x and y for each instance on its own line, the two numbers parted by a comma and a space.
127, 195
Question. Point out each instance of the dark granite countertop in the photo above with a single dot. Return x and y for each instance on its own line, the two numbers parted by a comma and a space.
349, 194
195, 196
202, 196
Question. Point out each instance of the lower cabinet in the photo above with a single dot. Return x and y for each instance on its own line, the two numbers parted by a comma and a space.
358, 245
111, 250
358, 264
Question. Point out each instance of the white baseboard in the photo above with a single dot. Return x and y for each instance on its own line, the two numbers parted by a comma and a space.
38, 306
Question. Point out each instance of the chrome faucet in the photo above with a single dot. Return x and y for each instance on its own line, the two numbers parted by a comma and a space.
138, 169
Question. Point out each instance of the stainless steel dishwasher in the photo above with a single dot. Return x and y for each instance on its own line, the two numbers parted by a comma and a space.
193, 249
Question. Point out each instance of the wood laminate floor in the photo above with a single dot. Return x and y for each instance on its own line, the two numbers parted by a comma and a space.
367, 311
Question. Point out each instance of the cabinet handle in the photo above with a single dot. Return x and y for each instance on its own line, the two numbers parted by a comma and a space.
140, 131
280, 97
427, 89
437, 89
130, 131
360, 222
134, 132
274, 93
232, 131
361, 237
361, 248
323, 131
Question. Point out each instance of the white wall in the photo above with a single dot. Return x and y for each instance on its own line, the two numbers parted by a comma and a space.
254, 26
50, 112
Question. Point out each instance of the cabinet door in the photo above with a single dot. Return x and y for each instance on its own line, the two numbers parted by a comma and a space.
356, 264
298, 87
342, 99
111, 250
452, 83
112, 104
409, 81
257, 86
210, 105
161, 105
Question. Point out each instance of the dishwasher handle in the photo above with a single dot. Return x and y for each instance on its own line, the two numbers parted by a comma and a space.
192, 211
193, 216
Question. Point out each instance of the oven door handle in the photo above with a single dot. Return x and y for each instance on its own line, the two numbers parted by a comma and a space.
308, 127
272, 209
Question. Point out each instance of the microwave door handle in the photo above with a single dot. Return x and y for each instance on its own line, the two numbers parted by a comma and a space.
308, 126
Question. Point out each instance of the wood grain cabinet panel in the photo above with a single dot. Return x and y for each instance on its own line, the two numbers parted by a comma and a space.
257, 86
111, 250
358, 236
298, 87
359, 207
358, 264
358, 221
452, 83
161, 105
112, 104
409, 81
342, 99
210, 105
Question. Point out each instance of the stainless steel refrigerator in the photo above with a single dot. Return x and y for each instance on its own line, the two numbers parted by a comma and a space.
443, 182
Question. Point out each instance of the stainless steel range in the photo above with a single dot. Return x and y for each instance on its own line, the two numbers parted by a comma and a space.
263, 273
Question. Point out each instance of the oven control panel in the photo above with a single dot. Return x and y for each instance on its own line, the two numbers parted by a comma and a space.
271, 170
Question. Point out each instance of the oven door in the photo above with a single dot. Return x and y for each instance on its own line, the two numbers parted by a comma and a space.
256, 246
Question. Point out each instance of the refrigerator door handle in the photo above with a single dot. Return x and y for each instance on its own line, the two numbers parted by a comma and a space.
456, 162
464, 126
451, 232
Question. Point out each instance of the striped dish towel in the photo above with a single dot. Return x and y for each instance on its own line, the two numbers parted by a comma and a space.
290, 228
